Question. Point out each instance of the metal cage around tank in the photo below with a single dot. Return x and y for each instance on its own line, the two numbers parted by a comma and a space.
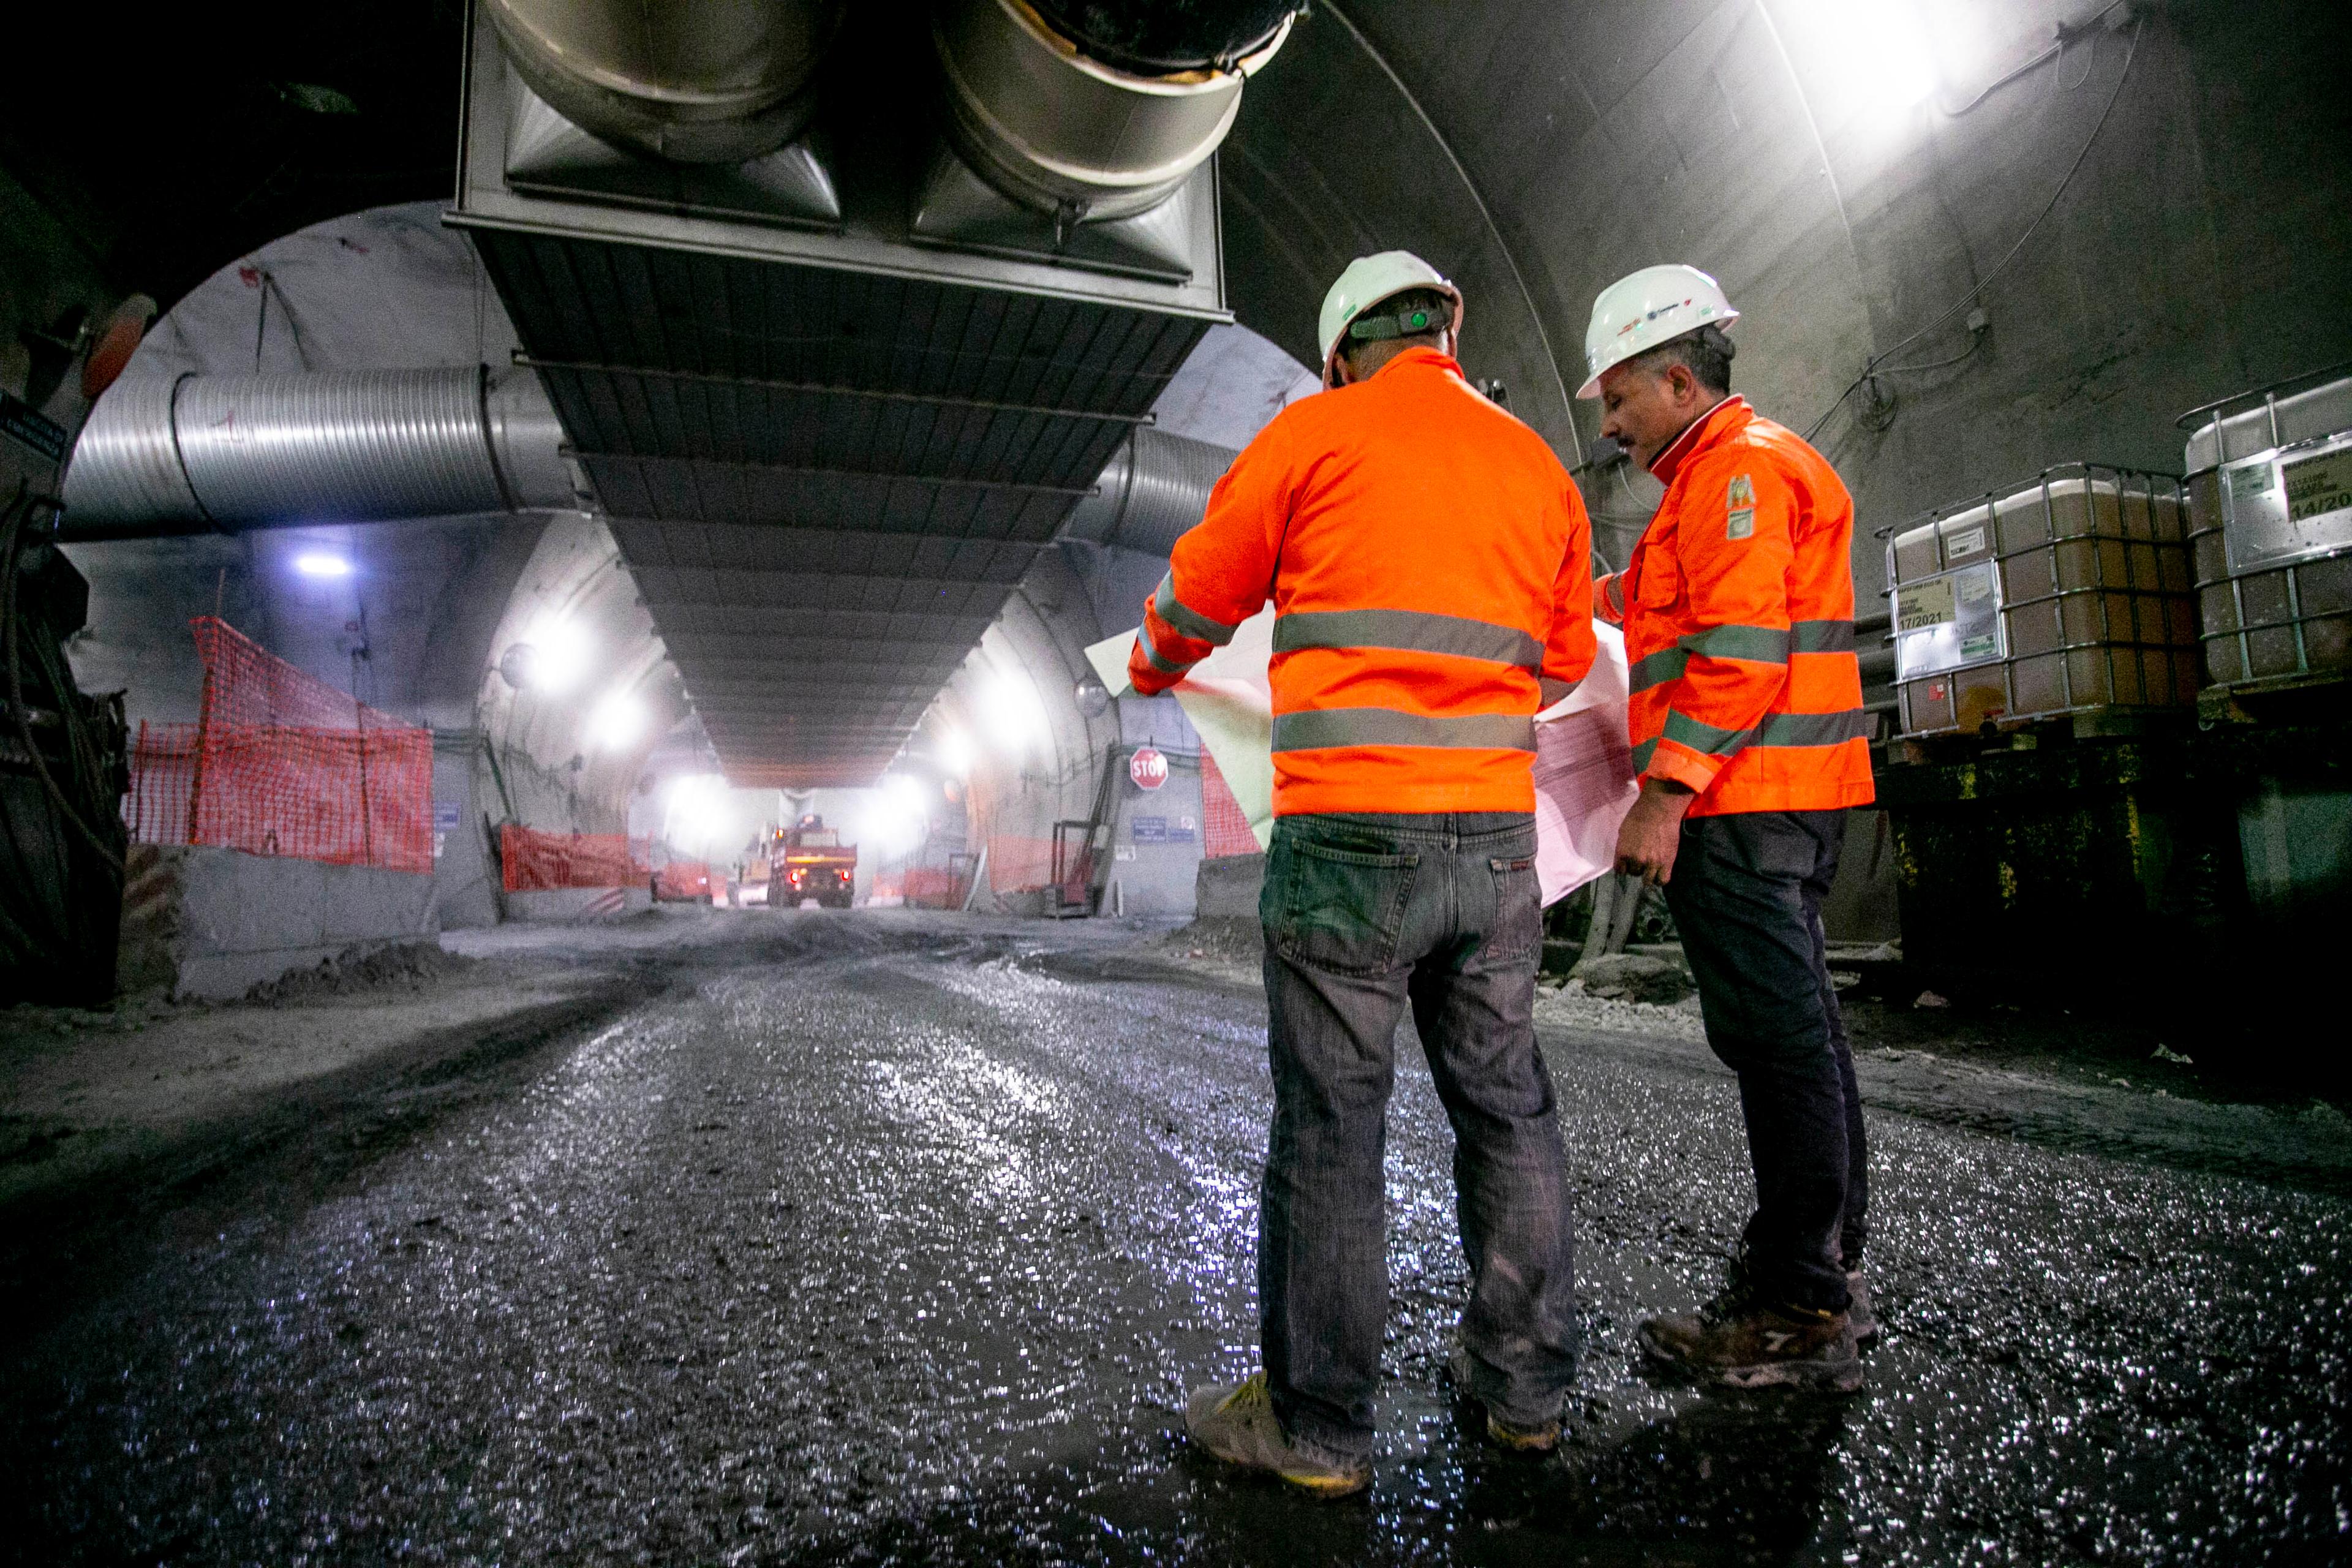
2065, 597
2274, 588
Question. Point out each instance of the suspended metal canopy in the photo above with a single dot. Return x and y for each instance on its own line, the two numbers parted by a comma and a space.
832, 416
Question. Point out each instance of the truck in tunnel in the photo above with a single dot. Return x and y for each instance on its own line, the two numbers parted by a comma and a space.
808, 860
1207, 780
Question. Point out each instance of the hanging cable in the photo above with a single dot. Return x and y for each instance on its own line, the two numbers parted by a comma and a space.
2057, 50
2138, 27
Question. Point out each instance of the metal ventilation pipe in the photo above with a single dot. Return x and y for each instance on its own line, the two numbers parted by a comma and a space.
1153, 489
695, 81
1159, 38
202, 453
1057, 126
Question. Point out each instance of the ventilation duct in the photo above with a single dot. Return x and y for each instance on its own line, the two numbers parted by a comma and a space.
1160, 37
1154, 487
1056, 128
695, 81
188, 456
199, 453
835, 400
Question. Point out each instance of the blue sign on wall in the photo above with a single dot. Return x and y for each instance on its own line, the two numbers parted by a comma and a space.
1147, 829
447, 814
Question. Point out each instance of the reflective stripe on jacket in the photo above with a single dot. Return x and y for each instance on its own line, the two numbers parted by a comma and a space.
1738, 615
1429, 562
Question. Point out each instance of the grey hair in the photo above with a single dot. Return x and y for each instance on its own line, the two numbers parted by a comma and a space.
1706, 353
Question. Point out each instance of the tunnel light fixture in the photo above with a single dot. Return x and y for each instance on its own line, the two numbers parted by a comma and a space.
697, 793
560, 651
1015, 718
1881, 47
953, 750
695, 812
322, 563
617, 721
896, 816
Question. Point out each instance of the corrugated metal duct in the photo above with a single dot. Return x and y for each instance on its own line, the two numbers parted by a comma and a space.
1155, 487
199, 453
238, 452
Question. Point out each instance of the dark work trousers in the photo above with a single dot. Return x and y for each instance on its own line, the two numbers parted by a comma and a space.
1364, 914
1746, 893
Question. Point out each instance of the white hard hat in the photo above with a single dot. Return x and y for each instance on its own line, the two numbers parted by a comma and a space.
1643, 310
1371, 279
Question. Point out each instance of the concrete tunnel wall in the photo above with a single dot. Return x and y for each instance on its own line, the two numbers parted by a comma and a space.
1029, 756
1537, 151
548, 756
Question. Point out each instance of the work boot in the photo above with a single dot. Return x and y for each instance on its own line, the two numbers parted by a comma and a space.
1237, 1424
1858, 1310
1743, 1343
1538, 1439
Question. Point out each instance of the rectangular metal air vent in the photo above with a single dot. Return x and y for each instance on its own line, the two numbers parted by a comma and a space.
829, 440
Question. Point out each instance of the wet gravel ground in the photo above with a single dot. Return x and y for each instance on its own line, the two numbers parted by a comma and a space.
903, 1242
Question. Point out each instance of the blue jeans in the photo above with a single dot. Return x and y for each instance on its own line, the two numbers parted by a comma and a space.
1364, 914
1747, 896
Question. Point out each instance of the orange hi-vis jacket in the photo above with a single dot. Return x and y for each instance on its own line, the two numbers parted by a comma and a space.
1738, 615
1429, 562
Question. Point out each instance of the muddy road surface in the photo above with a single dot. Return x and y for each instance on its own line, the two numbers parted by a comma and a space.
902, 1241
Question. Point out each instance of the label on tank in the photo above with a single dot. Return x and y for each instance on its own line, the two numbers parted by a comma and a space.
2277, 511
1919, 606
2316, 488
1948, 621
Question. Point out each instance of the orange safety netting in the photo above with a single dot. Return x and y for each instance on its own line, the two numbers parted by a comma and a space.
1224, 830
533, 861
279, 763
921, 887
683, 880
934, 887
1019, 864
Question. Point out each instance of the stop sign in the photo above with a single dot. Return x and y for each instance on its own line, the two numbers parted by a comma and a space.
1147, 768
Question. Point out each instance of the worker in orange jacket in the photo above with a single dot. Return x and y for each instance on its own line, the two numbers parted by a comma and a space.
1429, 563
1750, 735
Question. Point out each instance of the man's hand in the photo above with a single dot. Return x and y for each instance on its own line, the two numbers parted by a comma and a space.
1653, 831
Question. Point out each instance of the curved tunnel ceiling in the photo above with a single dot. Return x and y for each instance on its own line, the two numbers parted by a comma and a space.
1800, 150
1747, 136
1539, 149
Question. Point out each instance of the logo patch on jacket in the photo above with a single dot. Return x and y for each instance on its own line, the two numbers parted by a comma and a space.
1740, 508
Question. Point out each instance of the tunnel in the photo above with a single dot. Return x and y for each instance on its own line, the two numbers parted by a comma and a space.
644, 916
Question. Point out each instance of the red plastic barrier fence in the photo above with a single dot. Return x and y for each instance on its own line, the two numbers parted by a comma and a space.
163, 783
279, 763
683, 880
1224, 830
1019, 864
933, 888
919, 887
533, 861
